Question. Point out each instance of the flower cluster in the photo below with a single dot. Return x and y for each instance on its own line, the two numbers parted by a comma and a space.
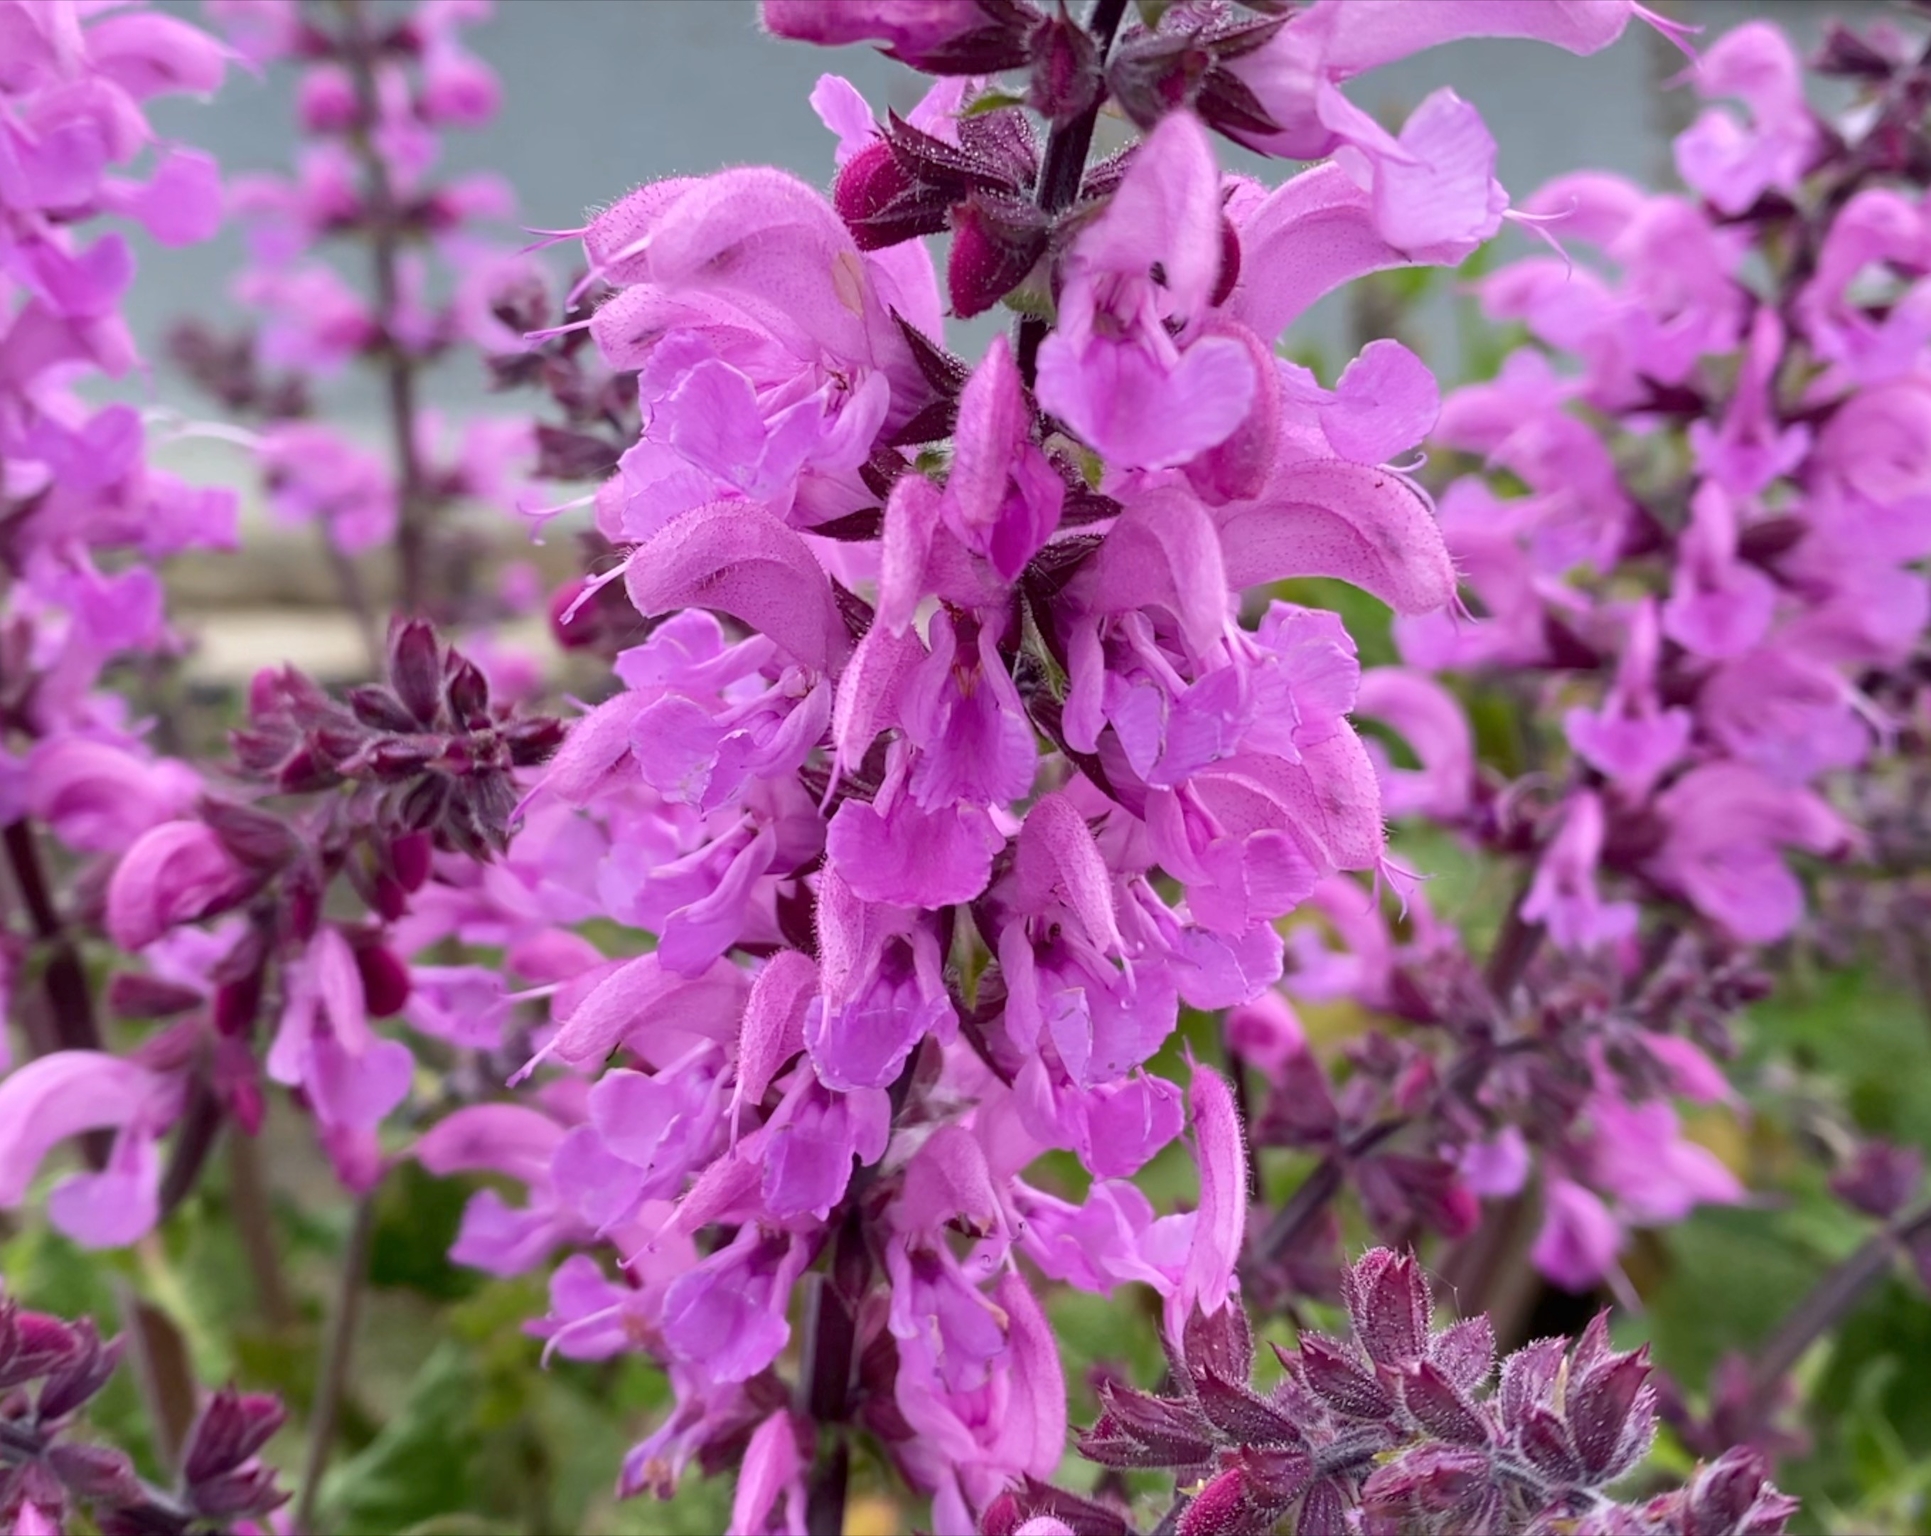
1693, 532
952, 765
84, 514
86, 520
49, 1371
410, 788
1391, 1431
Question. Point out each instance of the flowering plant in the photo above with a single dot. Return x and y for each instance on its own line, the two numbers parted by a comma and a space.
897, 936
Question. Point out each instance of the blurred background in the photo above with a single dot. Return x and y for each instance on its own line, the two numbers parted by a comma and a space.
602, 95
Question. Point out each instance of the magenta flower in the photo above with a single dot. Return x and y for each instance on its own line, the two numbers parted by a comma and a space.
927, 34
1208, 1281
1733, 165
177, 872
1563, 895
1632, 738
63, 1094
1129, 368
1726, 826
519, 1144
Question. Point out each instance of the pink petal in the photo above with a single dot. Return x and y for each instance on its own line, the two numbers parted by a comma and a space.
1365, 526
730, 557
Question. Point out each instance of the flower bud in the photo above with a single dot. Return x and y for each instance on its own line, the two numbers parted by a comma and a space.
1879, 1179
326, 100
996, 242
415, 669
1065, 69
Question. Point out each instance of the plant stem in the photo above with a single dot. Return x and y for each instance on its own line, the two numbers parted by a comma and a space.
68, 995
337, 1352
254, 1223
1515, 947
194, 1138
1063, 168
1830, 1301
1292, 1220
355, 597
414, 507
831, 1340
70, 1001
162, 1373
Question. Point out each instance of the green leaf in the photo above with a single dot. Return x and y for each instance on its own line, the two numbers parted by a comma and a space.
992, 101
417, 1218
422, 1464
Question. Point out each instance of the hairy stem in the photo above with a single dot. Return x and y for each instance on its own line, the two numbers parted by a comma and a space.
1061, 171
337, 1352
831, 1340
1304, 1207
414, 506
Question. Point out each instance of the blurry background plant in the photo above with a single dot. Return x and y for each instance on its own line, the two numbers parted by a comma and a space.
365, 261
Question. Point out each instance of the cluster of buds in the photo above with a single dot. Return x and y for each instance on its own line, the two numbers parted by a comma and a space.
440, 756
50, 1370
408, 792
1395, 1430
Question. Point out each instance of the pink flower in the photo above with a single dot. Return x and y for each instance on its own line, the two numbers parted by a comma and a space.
68, 1092
177, 872
1733, 165
1563, 895
1579, 1239
1141, 275
1727, 825
927, 34
1208, 1281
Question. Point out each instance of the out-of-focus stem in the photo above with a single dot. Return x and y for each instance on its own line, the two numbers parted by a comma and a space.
254, 1223
355, 597
1515, 947
414, 508
337, 1352
68, 996
162, 1372
1292, 1220
1830, 1301
1063, 168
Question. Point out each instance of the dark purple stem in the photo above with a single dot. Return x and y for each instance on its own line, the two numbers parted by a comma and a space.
1063, 170
68, 995
831, 1340
1515, 947
1291, 1222
414, 506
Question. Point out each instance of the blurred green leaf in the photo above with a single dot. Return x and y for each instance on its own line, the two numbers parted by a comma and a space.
417, 1218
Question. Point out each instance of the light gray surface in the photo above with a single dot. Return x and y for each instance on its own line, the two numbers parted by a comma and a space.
600, 95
